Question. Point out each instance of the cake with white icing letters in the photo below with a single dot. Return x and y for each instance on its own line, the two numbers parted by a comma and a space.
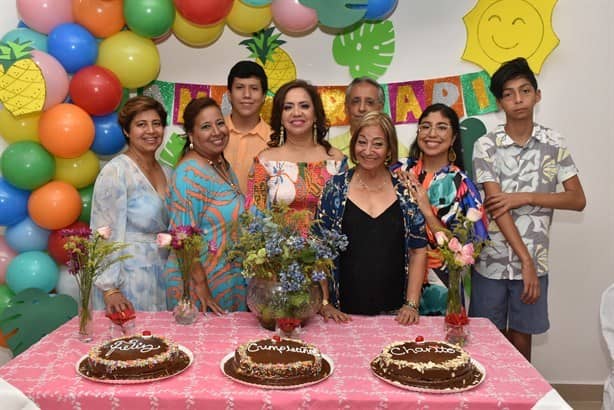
426, 364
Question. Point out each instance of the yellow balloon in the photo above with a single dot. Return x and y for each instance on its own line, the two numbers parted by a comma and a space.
194, 35
78, 172
20, 128
134, 59
246, 20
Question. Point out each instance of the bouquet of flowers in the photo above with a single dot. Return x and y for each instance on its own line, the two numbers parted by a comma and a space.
186, 241
275, 245
458, 248
90, 253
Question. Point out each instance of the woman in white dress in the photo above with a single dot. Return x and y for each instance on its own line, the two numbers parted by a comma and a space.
129, 196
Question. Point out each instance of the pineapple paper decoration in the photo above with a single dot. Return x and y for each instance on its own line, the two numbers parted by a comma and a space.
277, 64
22, 85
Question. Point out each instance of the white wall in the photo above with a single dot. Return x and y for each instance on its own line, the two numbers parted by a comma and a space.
577, 87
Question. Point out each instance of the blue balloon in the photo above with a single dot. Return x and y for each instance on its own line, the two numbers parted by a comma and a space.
27, 236
39, 40
379, 9
73, 46
109, 138
33, 269
13, 203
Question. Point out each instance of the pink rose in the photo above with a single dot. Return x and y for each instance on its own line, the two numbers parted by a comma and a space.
474, 215
465, 256
164, 239
455, 245
104, 232
441, 238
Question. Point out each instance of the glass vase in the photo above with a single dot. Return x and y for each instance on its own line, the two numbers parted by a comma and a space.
269, 301
86, 324
185, 313
456, 322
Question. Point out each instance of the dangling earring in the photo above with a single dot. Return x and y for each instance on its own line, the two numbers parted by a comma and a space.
191, 145
315, 133
451, 155
388, 159
281, 136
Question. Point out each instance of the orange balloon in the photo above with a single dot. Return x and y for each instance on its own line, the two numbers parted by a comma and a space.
66, 130
55, 205
101, 18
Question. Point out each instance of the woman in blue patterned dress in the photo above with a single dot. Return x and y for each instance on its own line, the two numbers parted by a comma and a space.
129, 198
204, 192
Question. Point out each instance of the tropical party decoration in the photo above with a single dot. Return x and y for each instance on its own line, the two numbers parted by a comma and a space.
90, 253
367, 50
277, 64
284, 263
458, 248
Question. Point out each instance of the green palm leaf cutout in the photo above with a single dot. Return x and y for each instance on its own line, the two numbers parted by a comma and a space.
367, 50
34, 314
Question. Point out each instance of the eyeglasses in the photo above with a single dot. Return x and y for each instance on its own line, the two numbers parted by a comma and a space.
425, 128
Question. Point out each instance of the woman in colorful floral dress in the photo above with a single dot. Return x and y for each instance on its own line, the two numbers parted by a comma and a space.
204, 192
439, 184
300, 160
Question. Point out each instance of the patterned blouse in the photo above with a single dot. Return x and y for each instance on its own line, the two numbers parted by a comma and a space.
450, 190
331, 208
298, 184
200, 197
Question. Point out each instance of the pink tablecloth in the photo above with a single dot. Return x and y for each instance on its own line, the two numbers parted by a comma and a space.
46, 372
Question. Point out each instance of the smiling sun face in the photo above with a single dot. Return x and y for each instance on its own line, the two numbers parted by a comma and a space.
501, 30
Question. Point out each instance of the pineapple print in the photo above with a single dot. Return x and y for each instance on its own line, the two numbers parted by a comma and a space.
277, 64
22, 85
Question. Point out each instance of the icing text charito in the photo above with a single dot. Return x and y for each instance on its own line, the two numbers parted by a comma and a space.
254, 347
132, 344
401, 350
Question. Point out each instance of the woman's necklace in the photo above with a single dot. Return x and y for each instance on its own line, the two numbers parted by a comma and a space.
366, 187
221, 171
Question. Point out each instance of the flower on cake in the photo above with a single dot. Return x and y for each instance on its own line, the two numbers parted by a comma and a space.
89, 254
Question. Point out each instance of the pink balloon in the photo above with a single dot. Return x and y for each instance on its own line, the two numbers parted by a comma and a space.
6, 256
56, 79
44, 15
291, 16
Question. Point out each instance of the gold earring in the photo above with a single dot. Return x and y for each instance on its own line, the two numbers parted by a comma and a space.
281, 136
388, 159
315, 133
451, 155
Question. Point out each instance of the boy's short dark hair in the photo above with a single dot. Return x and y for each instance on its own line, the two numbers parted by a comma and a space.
247, 69
510, 70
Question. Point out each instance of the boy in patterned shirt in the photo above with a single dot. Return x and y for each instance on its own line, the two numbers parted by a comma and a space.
518, 165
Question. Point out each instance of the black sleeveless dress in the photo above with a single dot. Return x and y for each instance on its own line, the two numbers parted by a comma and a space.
372, 272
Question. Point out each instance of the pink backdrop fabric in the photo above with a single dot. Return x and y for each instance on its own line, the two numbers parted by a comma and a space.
46, 372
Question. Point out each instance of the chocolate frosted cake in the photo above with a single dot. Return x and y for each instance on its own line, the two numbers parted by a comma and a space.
277, 362
134, 358
430, 364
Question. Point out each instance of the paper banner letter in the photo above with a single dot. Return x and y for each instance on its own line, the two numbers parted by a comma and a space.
478, 99
171, 153
406, 101
184, 93
333, 99
446, 90
501, 30
162, 91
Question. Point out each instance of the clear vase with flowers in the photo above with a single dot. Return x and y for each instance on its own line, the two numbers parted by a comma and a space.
90, 253
458, 248
187, 242
284, 263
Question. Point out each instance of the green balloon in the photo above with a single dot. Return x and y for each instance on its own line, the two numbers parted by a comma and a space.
5, 297
27, 165
149, 18
86, 203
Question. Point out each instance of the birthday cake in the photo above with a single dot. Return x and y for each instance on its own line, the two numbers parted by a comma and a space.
427, 364
138, 357
277, 362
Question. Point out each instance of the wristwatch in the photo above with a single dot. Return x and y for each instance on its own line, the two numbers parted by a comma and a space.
412, 305
325, 302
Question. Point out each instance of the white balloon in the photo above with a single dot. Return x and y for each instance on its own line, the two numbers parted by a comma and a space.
67, 284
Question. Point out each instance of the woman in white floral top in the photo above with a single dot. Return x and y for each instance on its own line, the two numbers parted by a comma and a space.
299, 161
